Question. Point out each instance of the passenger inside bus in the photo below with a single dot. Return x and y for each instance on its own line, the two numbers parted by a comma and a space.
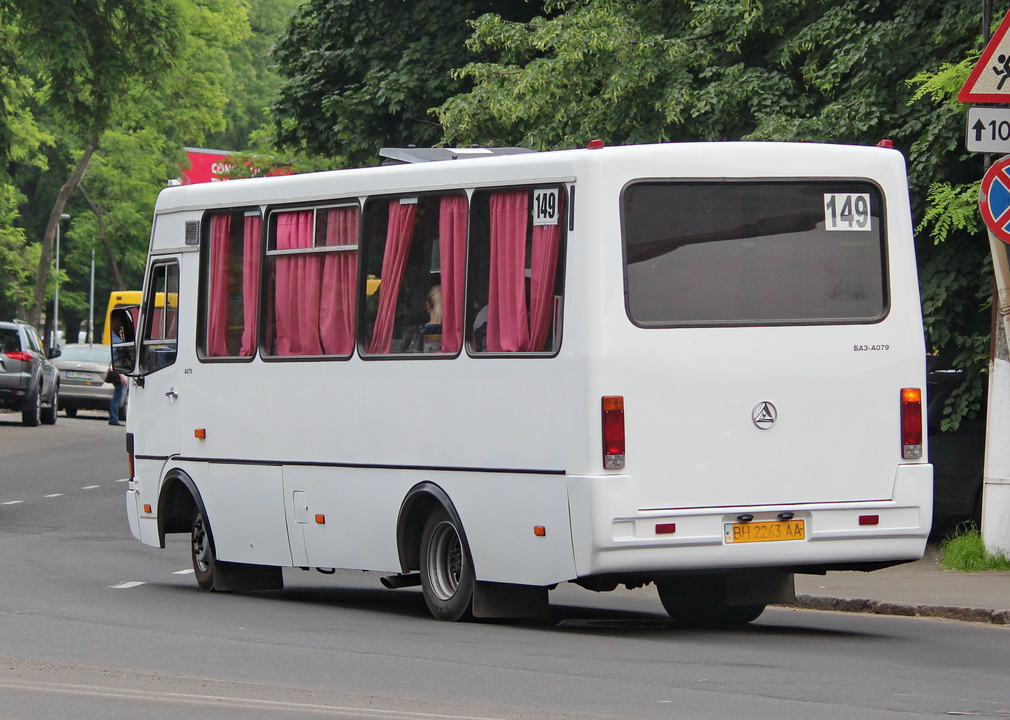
428, 335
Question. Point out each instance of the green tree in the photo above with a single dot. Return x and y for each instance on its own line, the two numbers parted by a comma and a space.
88, 53
21, 141
140, 149
360, 74
252, 82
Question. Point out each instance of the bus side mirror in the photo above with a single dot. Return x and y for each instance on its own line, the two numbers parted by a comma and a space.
124, 341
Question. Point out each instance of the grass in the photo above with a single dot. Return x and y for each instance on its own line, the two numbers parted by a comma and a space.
965, 551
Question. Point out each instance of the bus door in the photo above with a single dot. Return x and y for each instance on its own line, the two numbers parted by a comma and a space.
155, 398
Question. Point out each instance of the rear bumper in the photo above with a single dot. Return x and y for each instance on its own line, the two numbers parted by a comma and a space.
85, 398
627, 542
13, 390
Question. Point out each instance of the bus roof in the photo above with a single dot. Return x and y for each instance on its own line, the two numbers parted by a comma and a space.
659, 160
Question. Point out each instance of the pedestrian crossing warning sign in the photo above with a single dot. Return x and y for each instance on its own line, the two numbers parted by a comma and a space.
989, 82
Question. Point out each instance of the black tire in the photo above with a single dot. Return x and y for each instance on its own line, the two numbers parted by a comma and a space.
70, 411
447, 576
31, 410
48, 414
202, 551
701, 602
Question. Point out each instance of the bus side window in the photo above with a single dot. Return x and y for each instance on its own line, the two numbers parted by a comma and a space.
229, 285
415, 252
515, 283
159, 344
312, 270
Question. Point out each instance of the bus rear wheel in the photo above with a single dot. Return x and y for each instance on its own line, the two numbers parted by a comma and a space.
202, 549
447, 576
700, 601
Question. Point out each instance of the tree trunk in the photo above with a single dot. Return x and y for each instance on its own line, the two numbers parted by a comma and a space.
103, 236
46, 261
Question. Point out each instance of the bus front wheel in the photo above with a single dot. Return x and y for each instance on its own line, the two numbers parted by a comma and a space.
202, 551
447, 576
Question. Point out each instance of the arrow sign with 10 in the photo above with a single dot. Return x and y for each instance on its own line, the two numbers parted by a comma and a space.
988, 130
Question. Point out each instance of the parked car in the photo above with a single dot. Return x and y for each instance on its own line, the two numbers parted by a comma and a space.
957, 456
83, 370
29, 382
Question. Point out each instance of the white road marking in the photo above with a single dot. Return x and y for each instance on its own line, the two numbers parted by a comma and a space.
53, 495
127, 585
90, 487
188, 571
12, 502
216, 702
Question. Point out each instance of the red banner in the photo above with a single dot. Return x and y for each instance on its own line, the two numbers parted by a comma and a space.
205, 165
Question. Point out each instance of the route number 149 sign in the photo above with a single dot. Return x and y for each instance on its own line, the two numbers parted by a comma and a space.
847, 211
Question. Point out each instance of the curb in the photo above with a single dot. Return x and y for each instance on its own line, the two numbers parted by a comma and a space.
883, 607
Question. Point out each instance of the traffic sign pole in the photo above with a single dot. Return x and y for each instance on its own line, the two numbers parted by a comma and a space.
996, 472
994, 206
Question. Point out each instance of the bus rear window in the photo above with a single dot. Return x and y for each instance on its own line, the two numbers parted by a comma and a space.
753, 252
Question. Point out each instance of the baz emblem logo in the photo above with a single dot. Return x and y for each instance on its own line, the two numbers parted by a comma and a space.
764, 415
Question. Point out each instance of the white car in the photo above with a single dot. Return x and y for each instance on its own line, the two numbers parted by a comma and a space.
83, 370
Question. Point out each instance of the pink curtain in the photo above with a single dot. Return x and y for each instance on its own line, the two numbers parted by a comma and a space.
399, 233
250, 283
507, 328
220, 261
298, 280
452, 259
340, 275
543, 270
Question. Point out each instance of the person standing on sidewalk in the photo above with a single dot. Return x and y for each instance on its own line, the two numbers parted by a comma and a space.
119, 389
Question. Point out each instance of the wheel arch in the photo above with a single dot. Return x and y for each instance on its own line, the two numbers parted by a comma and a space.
178, 498
414, 510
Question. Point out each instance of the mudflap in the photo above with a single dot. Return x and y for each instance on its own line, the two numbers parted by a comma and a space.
243, 577
760, 587
504, 600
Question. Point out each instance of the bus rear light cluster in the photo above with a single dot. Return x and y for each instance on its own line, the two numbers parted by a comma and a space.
911, 423
613, 432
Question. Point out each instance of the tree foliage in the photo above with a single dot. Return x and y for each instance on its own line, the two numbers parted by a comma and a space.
359, 75
252, 80
147, 79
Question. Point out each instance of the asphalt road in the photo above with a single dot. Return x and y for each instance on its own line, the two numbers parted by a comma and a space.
94, 625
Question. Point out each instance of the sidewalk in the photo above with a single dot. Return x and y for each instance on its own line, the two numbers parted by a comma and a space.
921, 588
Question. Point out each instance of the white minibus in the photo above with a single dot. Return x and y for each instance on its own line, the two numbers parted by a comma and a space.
695, 365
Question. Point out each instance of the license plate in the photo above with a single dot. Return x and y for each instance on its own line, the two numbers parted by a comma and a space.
771, 531
78, 375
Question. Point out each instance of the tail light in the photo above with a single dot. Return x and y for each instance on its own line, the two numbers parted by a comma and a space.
911, 423
19, 355
613, 432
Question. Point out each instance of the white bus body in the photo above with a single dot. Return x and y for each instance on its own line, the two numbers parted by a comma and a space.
749, 311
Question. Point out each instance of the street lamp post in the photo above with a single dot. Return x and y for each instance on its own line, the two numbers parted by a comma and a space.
56, 295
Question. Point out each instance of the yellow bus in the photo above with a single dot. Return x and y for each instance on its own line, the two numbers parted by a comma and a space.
118, 299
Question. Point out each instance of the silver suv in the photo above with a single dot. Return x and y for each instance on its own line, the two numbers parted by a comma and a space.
28, 381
